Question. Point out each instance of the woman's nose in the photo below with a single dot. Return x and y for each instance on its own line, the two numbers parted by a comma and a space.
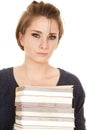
44, 44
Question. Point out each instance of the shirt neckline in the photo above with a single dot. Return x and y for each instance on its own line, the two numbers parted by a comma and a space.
15, 82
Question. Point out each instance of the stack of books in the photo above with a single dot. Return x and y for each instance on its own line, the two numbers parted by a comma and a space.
44, 108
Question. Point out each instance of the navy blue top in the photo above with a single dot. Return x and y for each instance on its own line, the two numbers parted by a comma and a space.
7, 98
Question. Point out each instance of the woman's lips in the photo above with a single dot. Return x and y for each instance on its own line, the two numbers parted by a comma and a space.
42, 54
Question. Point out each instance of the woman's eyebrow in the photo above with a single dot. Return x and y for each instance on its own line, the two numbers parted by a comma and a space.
53, 33
37, 31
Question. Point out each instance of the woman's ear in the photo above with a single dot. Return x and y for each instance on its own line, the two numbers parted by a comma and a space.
21, 38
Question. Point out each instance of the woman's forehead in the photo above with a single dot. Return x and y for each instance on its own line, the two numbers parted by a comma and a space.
44, 24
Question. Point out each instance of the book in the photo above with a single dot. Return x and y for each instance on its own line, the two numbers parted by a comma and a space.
27, 127
44, 108
64, 91
44, 121
43, 99
44, 111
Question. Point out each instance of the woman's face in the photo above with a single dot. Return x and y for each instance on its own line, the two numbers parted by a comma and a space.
40, 39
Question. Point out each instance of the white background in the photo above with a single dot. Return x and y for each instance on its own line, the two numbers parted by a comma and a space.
72, 51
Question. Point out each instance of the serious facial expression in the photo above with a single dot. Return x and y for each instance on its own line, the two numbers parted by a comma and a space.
40, 39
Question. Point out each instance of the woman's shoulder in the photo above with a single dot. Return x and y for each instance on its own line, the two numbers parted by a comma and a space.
5, 71
69, 78
6, 75
7, 80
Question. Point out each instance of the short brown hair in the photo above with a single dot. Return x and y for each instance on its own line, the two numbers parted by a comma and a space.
38, 9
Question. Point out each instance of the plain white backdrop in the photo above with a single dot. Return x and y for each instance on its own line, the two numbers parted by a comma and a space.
72, 50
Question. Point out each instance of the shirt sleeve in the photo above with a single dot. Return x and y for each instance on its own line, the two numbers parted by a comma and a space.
67, 78
78, 104
6, 102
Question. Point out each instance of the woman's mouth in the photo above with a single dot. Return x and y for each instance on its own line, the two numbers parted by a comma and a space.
42, 54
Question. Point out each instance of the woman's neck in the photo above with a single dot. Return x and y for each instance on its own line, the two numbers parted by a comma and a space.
36, 70
36, 74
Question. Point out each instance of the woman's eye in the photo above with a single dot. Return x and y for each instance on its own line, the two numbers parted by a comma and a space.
52, 37
36, 35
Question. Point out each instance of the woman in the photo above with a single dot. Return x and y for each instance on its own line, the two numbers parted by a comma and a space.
38, 34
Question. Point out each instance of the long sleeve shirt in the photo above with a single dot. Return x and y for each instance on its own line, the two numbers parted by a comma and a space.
8, 85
